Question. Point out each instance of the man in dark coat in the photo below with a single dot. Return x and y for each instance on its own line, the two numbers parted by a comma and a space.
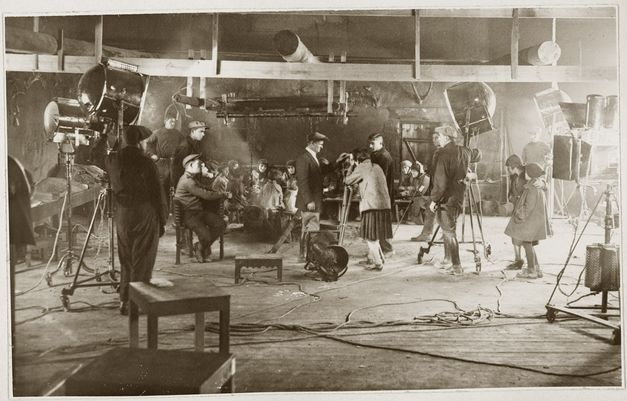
382, 157
205, 223
161, 147
309, 178
429, 217
139, 209
447, 193
191, 145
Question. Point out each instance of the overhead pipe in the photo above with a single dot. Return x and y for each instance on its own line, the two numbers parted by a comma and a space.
545, 53
292, 49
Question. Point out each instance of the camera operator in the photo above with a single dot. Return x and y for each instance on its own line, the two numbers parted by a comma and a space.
447, 194
139, 209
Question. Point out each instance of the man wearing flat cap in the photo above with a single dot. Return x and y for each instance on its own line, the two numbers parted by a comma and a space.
205, 223
191, 145
381, 156
161, 147
447, 194
140, 215
309, 178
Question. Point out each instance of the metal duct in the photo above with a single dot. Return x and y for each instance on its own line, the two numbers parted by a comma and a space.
292, 49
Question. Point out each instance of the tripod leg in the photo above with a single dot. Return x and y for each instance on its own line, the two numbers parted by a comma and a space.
474, 244
479, 216
90, 230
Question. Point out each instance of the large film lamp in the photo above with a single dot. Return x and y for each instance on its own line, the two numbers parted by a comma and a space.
104, 90
472, 105
65, 116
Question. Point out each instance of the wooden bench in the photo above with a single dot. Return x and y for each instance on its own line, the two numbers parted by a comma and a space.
185, 297
137, 371
257, 261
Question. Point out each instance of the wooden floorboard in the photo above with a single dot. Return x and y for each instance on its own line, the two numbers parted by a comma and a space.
50, 347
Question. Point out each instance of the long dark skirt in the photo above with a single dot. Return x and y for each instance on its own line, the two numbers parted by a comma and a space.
376, 224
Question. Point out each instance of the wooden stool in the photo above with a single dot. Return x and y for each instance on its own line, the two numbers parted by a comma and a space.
136, 371
257, 261
186, 296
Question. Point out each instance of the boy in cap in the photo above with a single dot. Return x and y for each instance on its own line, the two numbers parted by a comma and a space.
517, 182
206, 224
529, 223
309, 177
140, 212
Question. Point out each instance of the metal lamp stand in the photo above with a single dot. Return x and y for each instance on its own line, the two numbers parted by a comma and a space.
67, 150
598, 318
105, 197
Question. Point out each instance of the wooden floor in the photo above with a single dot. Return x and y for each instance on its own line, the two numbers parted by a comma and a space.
406, 327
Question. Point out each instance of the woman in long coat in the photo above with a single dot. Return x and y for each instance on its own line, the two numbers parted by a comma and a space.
374, 206
529, 222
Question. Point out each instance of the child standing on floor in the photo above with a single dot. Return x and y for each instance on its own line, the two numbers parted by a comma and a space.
529, 222
517, 181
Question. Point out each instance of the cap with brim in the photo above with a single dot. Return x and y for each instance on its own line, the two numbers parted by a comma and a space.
513, 161
447, 130
534, 170
190, 158
316, 136
196, 124
405, 163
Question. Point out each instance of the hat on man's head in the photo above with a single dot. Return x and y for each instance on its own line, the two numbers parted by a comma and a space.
233, 163
405, 163
133, 134
291, 163
316, 136
190, 158
196, 124
374, 136
262, 161
534, 170
446, 130
513, 161
342, 157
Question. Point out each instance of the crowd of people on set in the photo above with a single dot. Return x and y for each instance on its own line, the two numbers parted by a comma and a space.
172, 171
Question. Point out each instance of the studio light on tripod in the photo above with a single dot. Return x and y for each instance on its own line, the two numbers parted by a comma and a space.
103, 90
64, 120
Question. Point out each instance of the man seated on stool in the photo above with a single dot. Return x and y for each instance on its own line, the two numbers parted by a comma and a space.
207, 225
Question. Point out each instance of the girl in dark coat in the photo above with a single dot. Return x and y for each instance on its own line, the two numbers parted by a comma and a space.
529, 222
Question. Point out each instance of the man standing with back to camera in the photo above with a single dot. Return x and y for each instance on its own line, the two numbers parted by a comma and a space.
139, 209
309, 178
447, 194
379, 155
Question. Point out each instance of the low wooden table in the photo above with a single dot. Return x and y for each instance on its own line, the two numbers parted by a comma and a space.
258, 261
140, 371
186, 296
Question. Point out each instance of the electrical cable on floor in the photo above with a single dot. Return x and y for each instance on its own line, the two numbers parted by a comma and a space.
571, 251
54, 248
459, 359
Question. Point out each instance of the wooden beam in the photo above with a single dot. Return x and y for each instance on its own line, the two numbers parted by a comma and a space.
416, 44
215, 31
515, 38
98, 40
324, 71
544, 12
